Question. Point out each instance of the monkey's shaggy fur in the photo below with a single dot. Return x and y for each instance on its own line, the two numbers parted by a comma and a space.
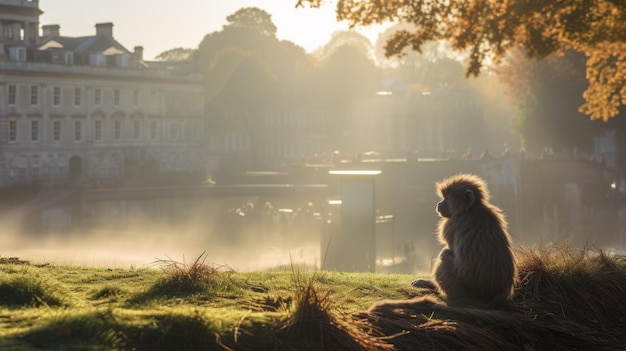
477, 262
566, 299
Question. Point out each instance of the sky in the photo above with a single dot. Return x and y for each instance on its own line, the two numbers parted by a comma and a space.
160, 25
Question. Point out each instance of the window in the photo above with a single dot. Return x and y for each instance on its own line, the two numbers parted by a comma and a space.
12, 131
153, 130
122, 60
116, 97
21, 54
97, 130
78, 130
56, 96
56, 131
98, 59
34, 95
12, 96
136, 129
117, 129
175, 131
136, 98
34, 131
154, 97
77, 96
69, 58
9, 32
97, 96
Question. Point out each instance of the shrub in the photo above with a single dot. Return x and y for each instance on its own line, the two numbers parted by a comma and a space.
27, 291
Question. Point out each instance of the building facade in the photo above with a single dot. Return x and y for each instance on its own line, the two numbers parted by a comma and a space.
431, 125
428, 124
88, 109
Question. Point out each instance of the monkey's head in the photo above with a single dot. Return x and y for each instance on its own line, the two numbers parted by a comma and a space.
460, 193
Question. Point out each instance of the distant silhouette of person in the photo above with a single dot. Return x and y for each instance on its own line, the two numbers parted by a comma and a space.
467, 155
547, 153
268, 220
506, 152
522, 153
486, 155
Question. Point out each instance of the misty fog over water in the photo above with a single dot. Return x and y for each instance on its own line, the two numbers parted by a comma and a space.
124, 233
250, 232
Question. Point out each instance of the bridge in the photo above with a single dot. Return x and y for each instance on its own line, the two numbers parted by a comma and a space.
209, 191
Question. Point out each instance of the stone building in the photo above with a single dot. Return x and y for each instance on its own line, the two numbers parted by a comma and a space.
86, 108
429, 124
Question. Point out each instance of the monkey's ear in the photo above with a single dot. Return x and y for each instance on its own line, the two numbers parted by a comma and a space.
470, 197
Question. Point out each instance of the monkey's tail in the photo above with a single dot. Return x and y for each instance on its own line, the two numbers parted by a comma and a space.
429, 307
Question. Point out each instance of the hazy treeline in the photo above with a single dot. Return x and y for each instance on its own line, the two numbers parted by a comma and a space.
248, 68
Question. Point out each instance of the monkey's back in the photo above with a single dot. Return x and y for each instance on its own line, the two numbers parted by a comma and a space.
483, 255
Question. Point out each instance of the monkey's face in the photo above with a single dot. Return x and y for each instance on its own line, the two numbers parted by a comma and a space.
455, 203
443, 208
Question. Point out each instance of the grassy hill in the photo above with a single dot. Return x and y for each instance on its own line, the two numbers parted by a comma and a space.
566, 299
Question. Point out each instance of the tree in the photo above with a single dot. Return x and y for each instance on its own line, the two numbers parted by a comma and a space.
343, 38
252, 18
489, 29
544, 91
240, 84
252, 30
176, 54
241, 81
250, 76
431, 51
231, 37
347, 73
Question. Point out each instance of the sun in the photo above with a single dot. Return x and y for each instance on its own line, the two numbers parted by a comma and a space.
306, 27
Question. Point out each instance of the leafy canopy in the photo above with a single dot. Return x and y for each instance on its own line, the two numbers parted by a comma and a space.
176, 54
253, 18
488, 29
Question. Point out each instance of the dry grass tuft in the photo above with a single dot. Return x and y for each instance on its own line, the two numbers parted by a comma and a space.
313, 323
189, 278
566, 299
13, 260
269, 304
582, 284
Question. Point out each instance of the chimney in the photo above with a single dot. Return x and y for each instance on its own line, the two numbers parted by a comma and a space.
139, 52
105, 29
51, 30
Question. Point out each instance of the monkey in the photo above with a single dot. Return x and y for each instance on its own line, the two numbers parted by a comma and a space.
476, 265
475, 270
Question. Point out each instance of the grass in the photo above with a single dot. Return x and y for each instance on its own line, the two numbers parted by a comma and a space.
176, 305
197, 279
567, 298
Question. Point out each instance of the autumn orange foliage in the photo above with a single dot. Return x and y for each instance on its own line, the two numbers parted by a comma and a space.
488, 29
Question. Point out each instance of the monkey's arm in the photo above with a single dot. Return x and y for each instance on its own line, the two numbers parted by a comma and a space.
445, 255
447, 275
